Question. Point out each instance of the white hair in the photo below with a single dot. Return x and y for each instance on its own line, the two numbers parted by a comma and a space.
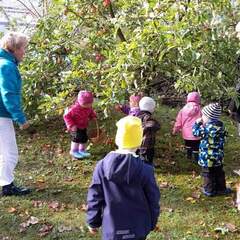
237, 28
13, 40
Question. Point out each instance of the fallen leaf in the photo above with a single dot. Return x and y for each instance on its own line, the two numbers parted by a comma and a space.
40, 180
40, 186
23, 227
45, 230
37, 203
191, 199
68, 179
12, 210
231, 227
63, 228
164, 185
59, 151
170, 210
54, 205
84, 207
196, 195
33, 220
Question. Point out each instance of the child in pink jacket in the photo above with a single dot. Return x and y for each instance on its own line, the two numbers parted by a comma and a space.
76, 119
185, 121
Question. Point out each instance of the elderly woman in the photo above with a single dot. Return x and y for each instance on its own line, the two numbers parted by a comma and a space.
11, 53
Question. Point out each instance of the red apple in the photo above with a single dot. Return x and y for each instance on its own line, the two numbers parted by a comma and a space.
99, 57
106, 3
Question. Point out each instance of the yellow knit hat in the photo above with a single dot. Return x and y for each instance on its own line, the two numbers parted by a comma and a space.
129, 132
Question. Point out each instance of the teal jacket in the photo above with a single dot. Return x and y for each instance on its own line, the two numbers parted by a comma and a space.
10, 88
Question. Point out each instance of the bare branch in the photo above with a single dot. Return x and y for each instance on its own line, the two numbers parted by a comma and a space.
30, 11
33, 7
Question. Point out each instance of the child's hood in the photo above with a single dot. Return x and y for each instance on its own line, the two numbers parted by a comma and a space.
122, 168
192, 109
194, 97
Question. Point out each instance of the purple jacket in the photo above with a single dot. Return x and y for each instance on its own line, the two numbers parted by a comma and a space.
134, 111
123, 197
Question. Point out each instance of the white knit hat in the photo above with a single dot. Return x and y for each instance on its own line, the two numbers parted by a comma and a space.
147, 104
212, 111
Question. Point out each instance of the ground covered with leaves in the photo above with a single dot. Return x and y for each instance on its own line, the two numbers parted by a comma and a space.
56, 208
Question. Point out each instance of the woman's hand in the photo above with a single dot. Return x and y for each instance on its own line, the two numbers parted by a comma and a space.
24, 126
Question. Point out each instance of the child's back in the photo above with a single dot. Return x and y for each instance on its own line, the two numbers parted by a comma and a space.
150, 128
184, 122
212, 142
125, 179
212, 133
123, 197
187, 116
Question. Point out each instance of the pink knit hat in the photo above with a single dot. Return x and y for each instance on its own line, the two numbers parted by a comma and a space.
135, 98
85, 97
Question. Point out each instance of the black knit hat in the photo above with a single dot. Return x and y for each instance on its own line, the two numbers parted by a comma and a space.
212, 111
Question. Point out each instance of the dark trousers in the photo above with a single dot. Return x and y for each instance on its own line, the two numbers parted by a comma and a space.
214, 179
192, 147
80, 136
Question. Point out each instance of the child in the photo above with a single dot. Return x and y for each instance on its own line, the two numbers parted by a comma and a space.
133, 108
123, 197
150, 127
212, 133
185, 121
76, 118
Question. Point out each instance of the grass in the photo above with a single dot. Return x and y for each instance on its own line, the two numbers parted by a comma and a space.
61, 184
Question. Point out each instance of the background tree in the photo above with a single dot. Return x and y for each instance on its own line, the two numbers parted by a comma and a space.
114, 47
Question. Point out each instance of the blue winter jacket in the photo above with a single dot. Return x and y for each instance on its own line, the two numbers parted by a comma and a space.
10, 88
211, 149
123, 197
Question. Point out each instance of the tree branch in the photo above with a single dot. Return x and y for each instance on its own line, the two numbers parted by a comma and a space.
34, 8
34, 14
119, 31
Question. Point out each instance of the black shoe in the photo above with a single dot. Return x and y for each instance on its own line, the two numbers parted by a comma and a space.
225, 192
11, 189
